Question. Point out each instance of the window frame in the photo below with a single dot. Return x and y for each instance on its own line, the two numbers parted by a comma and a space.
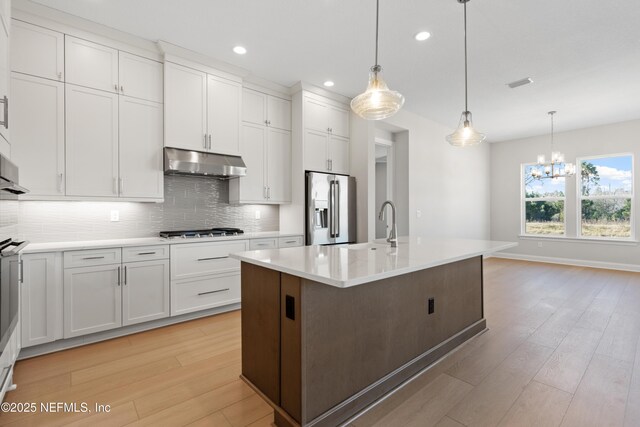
524, 200
580, 198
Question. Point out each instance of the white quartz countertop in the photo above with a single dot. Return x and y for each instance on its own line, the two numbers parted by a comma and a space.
143, 241
350, 265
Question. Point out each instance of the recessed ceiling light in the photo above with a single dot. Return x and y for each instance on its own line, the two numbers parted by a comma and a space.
328, 83
422, 36
240, 50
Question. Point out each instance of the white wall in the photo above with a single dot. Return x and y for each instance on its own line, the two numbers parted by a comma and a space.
506, 158
449, 185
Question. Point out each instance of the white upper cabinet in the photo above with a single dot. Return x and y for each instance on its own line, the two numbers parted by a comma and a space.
92, 142
5, 29
252, 187
91, 65
140, 149
38, 133
37, 51
223, 115
325, 135
140, 77
278, 162
263, 109
185, 108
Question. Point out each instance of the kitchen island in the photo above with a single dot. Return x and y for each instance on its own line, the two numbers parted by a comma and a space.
329, 330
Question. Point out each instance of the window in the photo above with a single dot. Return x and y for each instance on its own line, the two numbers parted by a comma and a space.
543, 204
605, 196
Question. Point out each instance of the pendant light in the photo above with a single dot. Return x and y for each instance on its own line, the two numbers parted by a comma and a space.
557, 167
465, 135
378, 101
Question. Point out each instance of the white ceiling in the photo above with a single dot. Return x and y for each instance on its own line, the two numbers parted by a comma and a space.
583, 55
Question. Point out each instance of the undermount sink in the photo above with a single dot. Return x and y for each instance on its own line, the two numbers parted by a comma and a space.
368, 246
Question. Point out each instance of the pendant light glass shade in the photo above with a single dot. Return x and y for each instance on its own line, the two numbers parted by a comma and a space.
465, 135
378, 101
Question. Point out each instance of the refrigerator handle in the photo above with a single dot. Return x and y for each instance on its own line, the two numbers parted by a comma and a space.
336, 196
332, 210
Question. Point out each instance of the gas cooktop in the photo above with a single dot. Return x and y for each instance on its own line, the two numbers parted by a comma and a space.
194, 234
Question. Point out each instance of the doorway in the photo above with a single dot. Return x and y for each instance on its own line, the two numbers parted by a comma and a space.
383, 183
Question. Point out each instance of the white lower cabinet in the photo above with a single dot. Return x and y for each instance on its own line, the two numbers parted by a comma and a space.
41, 298
92, 299
204, 292
145, 291
102, 297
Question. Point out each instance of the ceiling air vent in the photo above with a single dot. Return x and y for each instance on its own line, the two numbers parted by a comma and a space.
520, 82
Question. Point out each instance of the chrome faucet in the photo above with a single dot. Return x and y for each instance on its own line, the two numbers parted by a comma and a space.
393, 235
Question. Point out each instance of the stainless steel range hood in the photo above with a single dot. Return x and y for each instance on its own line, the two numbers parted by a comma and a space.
9, 177
186, 162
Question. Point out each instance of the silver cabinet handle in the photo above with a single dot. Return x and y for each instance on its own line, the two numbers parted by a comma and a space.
121, 89
268, 192
93, 257
262, 244
21, 271
119, 276
115, 86
125, 275
328, 130
121, 185
264, 191
290, 241
209, 141
59, 75
212, 258
4, 100
146, 253
212, 292
115, 186
60, 176
266, 122
328, 164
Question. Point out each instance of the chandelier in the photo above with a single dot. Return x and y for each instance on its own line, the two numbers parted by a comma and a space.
557, 167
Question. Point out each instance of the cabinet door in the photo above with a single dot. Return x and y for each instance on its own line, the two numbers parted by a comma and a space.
315, 151
37, 51
38, 127
140, 77
279, 165
41, 298
315, 115
254, 107
92, 299
92, 142
5, 22
338, 121
252, 186
223, 115
279, 113
90, 64
185, 106
145, 291
140, 149
339, 154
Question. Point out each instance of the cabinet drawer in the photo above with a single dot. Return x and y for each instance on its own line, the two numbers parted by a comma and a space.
263, 244
92, 257
145, 253
200, 259
203, 293
290, 242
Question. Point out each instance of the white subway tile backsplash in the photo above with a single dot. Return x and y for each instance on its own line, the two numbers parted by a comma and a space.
189, 202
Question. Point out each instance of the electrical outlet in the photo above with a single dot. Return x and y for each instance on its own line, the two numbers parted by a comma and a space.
419, 213
432, 305
115, 216
257, 214
539, 244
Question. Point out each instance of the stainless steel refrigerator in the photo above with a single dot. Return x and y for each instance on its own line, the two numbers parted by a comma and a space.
331, 209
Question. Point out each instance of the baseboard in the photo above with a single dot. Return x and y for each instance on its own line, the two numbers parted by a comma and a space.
568, 261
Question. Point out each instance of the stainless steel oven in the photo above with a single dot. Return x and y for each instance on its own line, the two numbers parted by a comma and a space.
10, 264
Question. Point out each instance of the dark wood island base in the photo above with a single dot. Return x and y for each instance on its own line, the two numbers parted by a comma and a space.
321, 354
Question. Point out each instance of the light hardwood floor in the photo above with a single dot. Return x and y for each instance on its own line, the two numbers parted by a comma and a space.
562, 350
